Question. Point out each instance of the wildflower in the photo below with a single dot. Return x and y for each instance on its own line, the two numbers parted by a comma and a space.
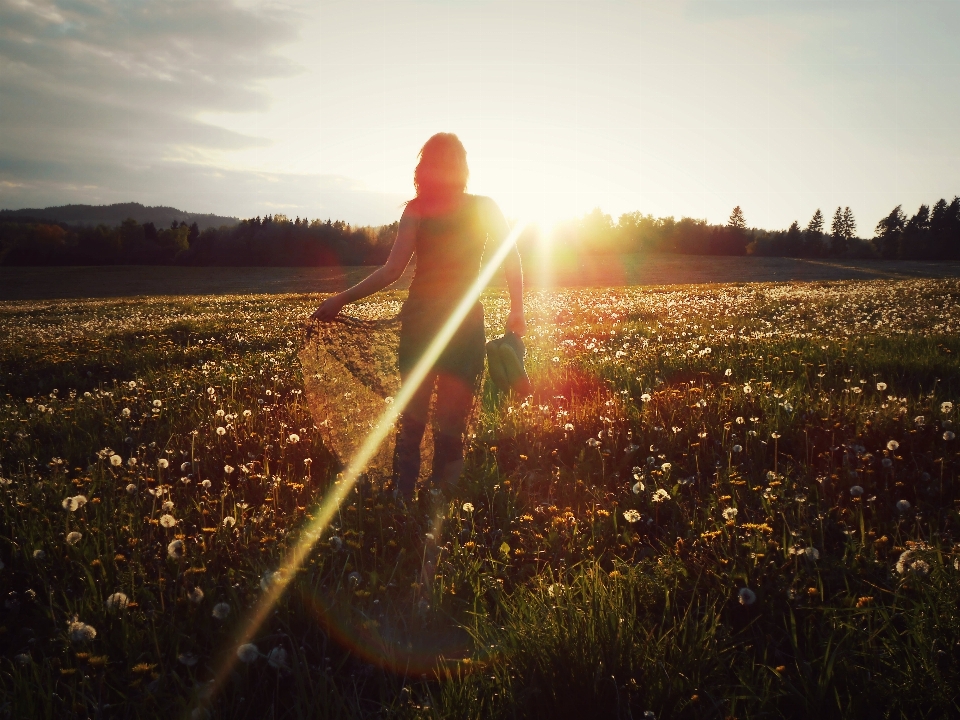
195, 596
207, 484
221, 610
737, 448
949, 435
887, 463
277, 658
184, 467
645, 397
269, 579
335, 543
168, 521
354, 578
771, 476
811, 553
903, 505
74, 503
740, 420
188, 659
593, 442
637, 488
881, 386
167, 505
728, 372
229, 521
131, 461
919, 420
220, 413
568, 427
910, 564
247, 413
666, 467
73, 537
175, 550
163, 463
747, 389
81, 632
221, 431
660, 496
247, 653
468, 507
131, 489
308, 462
23, 659
631, 516
125, 412
730, 513
39, 554
946, 407
856, 491
117, 601
746, 596
116, 460
228, 469
294, 438
132, 384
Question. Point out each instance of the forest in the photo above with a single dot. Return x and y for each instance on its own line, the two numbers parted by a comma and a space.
932, 233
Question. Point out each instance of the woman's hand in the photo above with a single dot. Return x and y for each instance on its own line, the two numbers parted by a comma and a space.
516, 323
329, 309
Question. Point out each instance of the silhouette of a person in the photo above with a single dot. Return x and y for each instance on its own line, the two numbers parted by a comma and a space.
448, 229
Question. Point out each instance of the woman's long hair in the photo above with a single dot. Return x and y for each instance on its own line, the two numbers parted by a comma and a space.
442, 170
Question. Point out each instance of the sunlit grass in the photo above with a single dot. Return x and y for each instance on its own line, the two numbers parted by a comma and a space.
591, 561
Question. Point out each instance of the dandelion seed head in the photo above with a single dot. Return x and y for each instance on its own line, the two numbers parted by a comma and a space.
746, 596
168, 521
80, 632
247, 653
117, 601
73, 537
116, 460
221, 610
903, 505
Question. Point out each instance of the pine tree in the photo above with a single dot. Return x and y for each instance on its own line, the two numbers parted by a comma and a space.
849, 224
793, 244
813, 236
737, 221
838, 234
888, 233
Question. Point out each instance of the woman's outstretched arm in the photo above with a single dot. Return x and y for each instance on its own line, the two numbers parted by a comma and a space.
380, 278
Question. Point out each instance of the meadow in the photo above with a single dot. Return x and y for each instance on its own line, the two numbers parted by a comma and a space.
720, 501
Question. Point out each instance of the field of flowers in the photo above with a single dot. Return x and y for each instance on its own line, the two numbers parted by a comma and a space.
720, 501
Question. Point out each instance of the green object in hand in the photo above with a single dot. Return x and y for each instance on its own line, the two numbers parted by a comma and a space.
505, 360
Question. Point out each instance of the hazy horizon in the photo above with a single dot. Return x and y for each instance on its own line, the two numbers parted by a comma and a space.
681, 108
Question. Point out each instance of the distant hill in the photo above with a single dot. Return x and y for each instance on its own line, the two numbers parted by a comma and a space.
113, 215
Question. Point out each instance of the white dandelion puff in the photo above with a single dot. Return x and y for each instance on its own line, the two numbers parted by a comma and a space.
221, 611
117, 601
631, 516
746, 596
247, 653
73, 537
81, 632
175, 550
168, 521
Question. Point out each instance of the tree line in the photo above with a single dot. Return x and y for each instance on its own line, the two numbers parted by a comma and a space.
928, 235
275, 240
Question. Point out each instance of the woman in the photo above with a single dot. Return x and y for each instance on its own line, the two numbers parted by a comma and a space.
447, 228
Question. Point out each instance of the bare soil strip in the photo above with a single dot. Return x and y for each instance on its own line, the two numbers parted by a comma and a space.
49, 283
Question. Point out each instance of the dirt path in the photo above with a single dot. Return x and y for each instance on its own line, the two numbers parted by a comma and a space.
39, 283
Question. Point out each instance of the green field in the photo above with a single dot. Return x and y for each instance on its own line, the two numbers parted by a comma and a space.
720, 501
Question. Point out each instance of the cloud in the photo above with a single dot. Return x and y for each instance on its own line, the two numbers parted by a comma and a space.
95, 92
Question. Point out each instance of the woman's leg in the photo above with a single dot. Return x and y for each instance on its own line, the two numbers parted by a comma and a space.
410, 429
454, 402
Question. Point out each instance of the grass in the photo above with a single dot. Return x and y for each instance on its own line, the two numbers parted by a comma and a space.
721, 501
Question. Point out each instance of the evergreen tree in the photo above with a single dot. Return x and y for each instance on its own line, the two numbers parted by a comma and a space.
737, 221
915, 238
813, 236
838, 234
793, 243
849, 224
888, 234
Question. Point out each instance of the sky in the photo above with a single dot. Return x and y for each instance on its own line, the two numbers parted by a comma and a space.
318, 109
